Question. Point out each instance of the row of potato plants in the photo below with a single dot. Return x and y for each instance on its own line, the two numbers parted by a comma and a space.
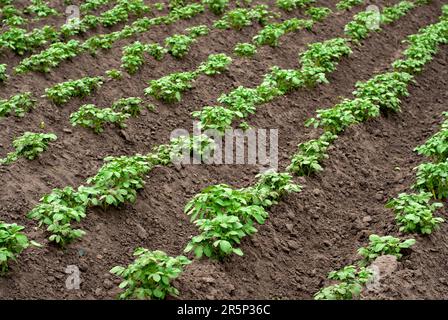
413, 212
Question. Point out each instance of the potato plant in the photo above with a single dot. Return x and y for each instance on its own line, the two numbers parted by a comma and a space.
92, 5
242, 17
3, 74
433, 177
150, 275
21, 41
63, 92
271, 33
18, 104
351, 280
57, 210
29, 146
362, 25
40, 9
393, 13
178, 45
170, 87
225, 215
131, 106
318, 14
290, 5
385, 90
219, 236
386, 245
436, 147
422, 47
89, 116
245, 49
217, 6
215, 64
12, 243
348, 4
415, 213
50, 58
310, 155
114, 74
118, 180
344, 114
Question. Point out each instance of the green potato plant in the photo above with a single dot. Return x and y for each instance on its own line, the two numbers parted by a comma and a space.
150, 275
289, 5
89, 116
385, 90
415, 213
215, 64
63, 92
217, 6
225, 215
351, 280
386, 245
114, 74
118, 180
57, 210
170, 87
3, 74
344, 114
19, 104
40, 9
271, 33
12, 243
310, 155
436, 147
50, 58
433, 177
218, 237
29, 146
318, 14
348, 4
242, 17
245, 49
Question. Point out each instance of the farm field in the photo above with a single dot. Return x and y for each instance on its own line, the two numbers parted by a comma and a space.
355, 208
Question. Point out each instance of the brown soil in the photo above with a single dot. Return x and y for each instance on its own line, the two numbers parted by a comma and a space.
307, 235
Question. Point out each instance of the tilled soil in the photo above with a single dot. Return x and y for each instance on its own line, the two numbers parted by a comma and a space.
307, 234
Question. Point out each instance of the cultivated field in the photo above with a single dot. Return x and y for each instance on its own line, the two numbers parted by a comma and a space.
100, 200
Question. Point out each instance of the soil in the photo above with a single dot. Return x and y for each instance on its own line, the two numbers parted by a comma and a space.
307, 234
